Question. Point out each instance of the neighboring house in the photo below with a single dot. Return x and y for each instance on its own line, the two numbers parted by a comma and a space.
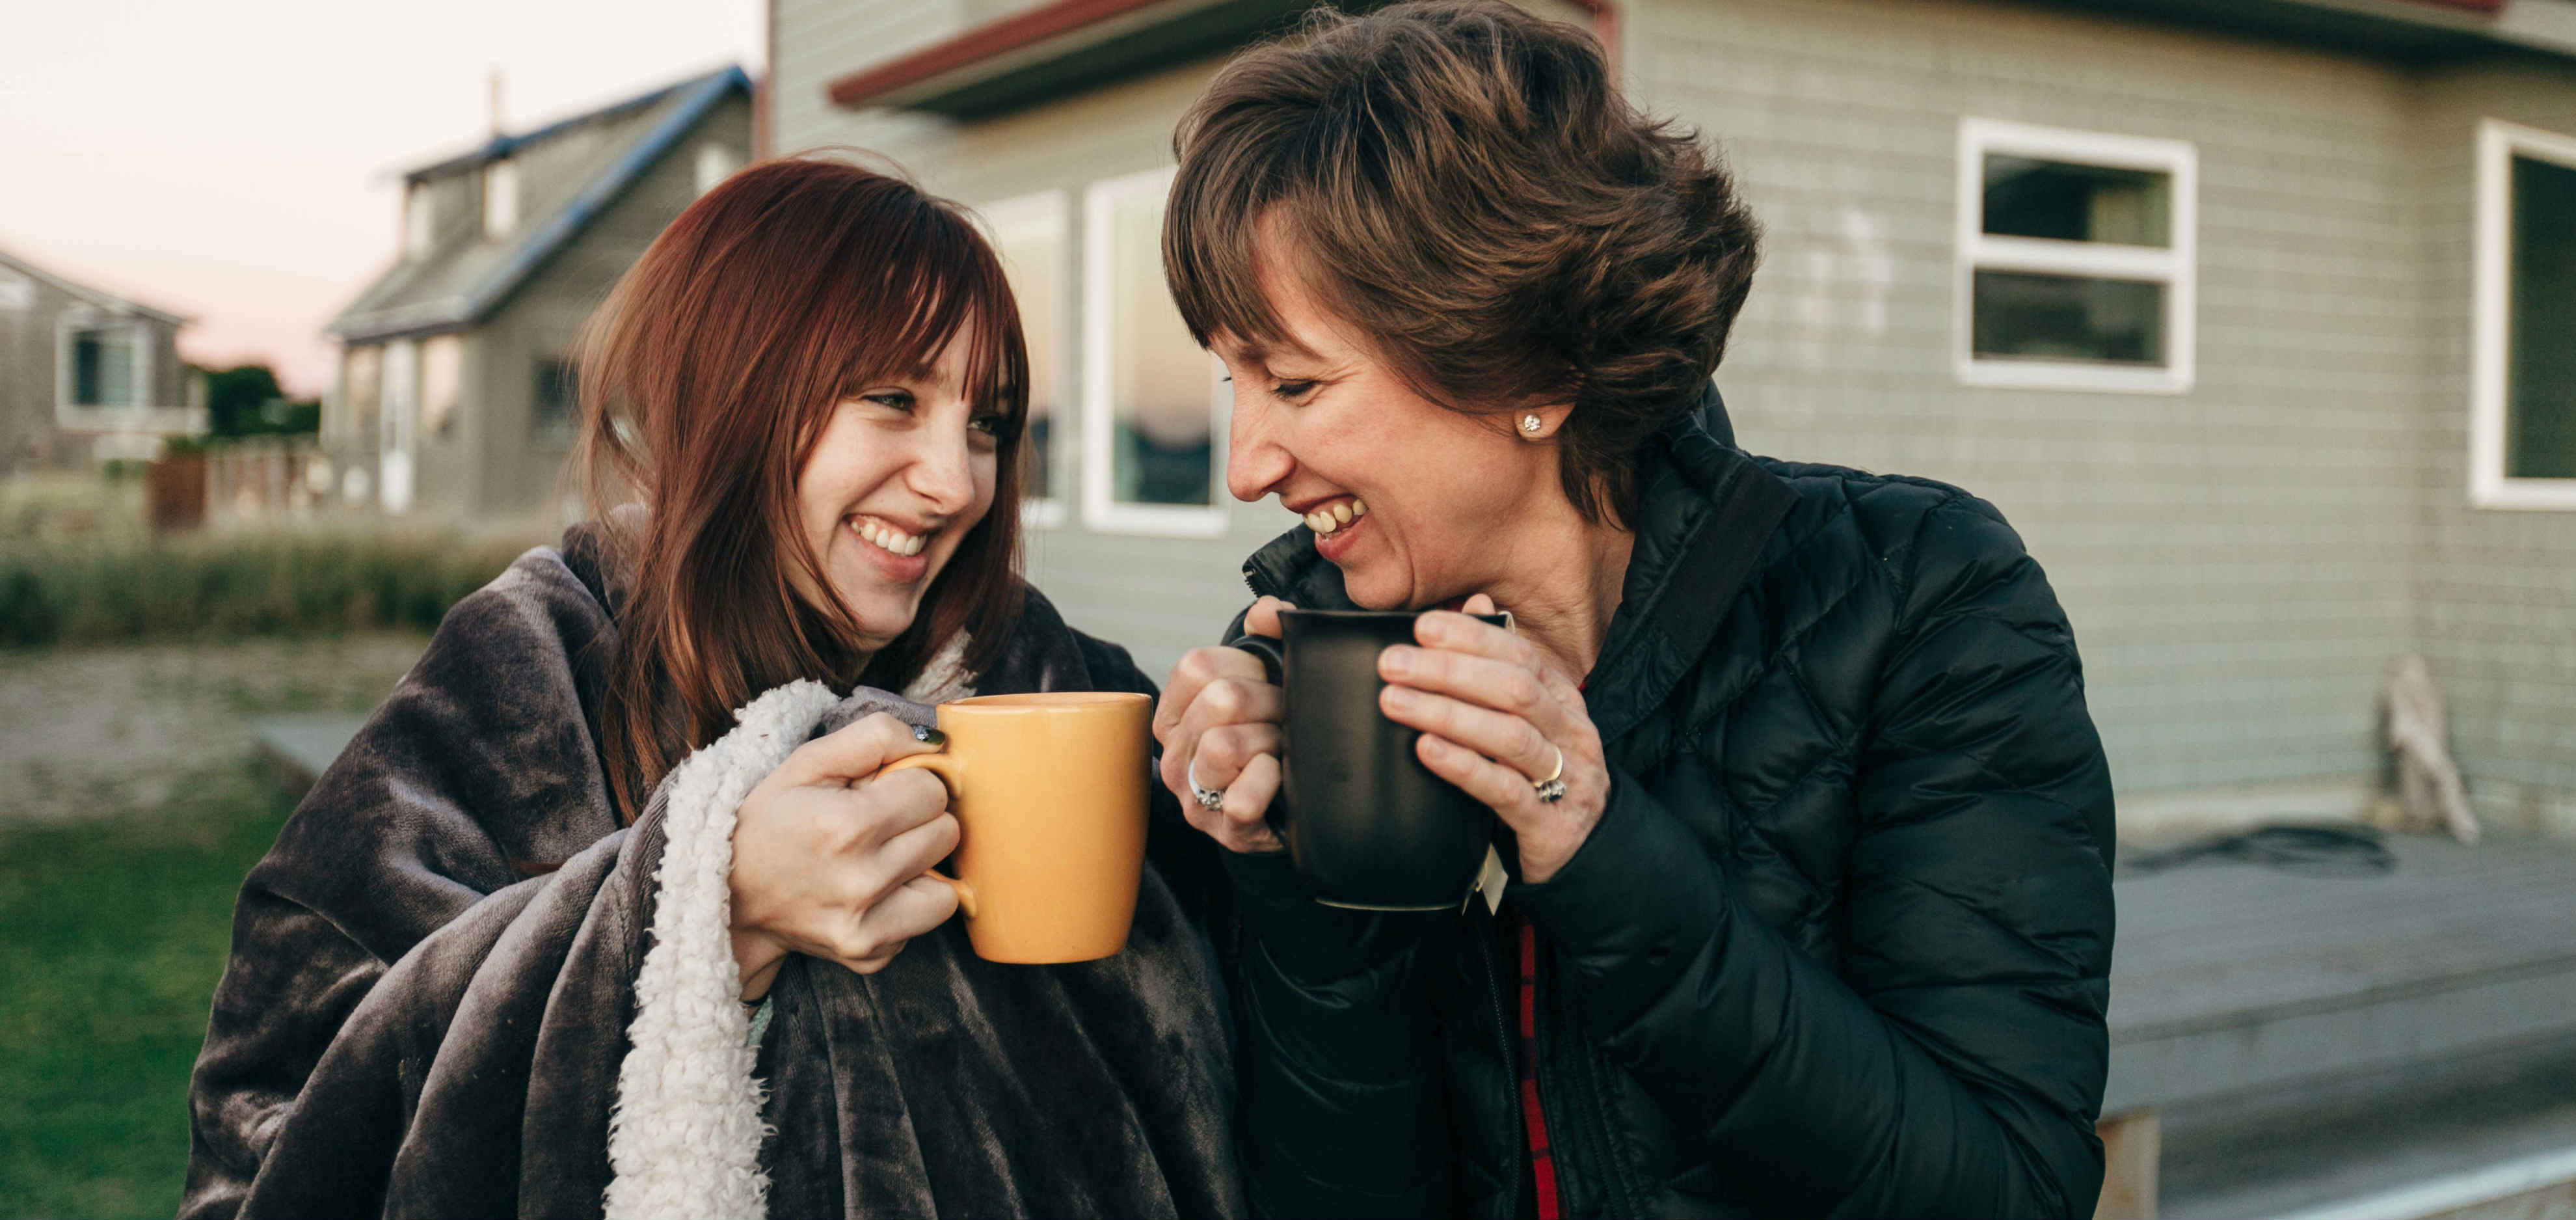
2258, 319
456, 397
87, 375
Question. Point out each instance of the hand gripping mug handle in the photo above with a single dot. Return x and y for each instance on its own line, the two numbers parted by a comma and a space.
1274, 670
945, 767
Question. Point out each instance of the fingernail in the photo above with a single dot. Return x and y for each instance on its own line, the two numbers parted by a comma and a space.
929, 736
1397, 659
1400, 698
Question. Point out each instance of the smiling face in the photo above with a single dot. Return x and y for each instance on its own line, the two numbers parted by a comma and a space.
902, 471
1432, 495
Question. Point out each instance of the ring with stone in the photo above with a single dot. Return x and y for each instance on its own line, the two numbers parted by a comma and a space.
1552, 789
1210, 799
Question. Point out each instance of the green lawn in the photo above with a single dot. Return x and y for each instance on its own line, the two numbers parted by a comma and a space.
115, 933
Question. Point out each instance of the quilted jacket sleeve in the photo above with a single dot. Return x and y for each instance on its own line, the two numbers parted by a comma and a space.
1955, 1064
1336, 1056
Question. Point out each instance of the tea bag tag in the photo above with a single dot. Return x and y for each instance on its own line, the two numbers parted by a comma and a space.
1489, 882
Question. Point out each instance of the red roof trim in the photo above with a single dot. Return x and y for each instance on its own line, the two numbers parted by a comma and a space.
981, 43
1026, 29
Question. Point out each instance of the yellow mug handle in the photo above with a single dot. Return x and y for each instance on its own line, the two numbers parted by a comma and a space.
943, 766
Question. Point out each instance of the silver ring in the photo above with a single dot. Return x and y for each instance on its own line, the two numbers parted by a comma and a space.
1210, 799
1552, 789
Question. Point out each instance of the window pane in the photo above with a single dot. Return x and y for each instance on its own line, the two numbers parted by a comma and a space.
558, 396
2026, 316
1033, 255
103, 368
2540, 376
364, 379
500, 199
442, 382
2026, 197
1159, 386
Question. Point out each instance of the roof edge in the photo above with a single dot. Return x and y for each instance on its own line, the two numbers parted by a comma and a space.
99, 297
540, 242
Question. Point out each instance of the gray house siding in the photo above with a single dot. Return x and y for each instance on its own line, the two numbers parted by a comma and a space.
2495, 591
29, 438
2242, 561
2235, 558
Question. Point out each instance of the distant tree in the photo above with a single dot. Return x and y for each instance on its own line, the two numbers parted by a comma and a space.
246, 401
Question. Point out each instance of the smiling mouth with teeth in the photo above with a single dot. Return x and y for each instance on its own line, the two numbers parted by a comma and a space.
889, 539
1324, 521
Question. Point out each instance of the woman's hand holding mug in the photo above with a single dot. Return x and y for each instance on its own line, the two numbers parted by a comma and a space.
1219, 720
828, 856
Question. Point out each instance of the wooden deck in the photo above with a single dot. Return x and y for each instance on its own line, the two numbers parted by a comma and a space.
2230, 979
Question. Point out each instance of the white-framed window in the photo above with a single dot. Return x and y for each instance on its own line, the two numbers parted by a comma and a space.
2076, 266
420, 220
500, 199
2522, 375
103, 365
1034, 235
716, 161
1153, 410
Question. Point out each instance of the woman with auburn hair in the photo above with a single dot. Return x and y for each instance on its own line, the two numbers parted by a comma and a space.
1807, 831
496, 965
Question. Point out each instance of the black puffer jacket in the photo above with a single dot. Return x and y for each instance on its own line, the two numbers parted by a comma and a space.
1840, 944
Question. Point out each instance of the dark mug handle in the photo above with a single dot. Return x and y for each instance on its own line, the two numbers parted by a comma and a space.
1274, 669
1274, 657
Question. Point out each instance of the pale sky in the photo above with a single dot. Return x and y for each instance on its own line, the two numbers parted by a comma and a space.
235, 160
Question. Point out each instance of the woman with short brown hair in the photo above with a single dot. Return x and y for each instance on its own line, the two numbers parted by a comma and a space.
608, 907
1808, 833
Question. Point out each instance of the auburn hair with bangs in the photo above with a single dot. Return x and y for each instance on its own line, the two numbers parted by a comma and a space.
706, 380
1463, 182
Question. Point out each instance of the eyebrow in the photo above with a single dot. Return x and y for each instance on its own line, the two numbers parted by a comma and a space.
1260, 353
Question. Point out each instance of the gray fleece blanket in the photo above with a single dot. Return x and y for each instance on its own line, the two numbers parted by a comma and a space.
411, 1024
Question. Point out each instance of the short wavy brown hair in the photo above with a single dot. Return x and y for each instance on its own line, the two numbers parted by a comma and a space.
1463, 182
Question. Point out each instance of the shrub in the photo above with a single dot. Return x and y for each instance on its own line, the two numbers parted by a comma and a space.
234, 585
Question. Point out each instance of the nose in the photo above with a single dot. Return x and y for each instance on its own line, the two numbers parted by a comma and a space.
943, 473
1256, 460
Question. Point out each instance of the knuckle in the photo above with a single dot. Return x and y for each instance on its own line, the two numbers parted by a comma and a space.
1525, 693
1224, 698
1197, 665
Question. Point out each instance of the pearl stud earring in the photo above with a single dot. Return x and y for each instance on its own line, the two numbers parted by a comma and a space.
1531, 423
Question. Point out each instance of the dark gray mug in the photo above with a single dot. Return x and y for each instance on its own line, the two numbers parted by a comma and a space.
1367, 825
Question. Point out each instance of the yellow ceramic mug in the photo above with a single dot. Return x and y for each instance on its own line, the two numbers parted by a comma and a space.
1049, 793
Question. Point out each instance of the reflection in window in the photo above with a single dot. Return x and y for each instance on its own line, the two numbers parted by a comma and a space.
1150, 397
442, 382
2540, 377
103, 367
2026, 316
1031, 234
1158, 377
2026, 197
